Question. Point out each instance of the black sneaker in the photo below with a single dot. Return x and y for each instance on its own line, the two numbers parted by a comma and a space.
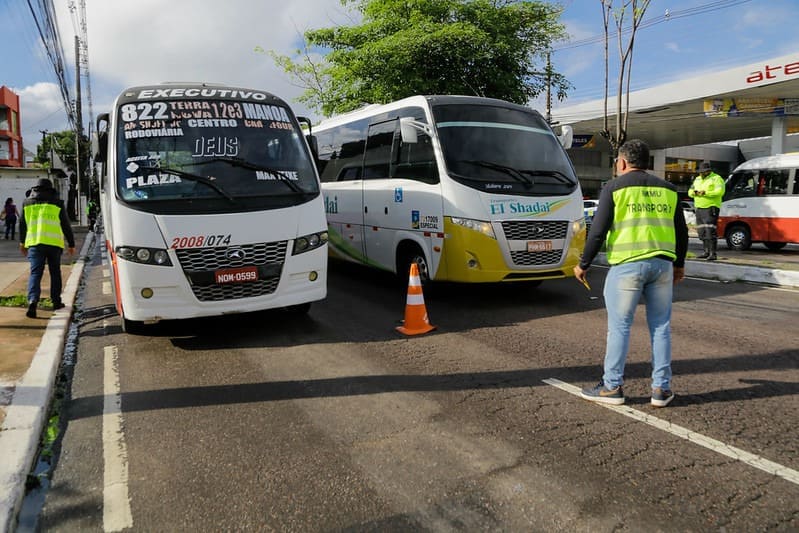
711, 257
703, 256
661, 397
602, 394
58, 305
31, 313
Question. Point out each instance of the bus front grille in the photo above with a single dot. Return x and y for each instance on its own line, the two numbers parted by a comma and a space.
217, 293
530, 230
536, 258
536, 230
199, 265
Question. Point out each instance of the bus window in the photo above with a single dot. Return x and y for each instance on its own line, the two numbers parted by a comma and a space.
776, 181
742, 184
415, 160
378, 150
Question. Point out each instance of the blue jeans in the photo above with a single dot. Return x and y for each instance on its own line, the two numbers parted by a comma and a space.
624, 285
37, 257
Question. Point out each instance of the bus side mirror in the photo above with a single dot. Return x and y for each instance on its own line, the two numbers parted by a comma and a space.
101, 151
309, 136
566, 136
408, 130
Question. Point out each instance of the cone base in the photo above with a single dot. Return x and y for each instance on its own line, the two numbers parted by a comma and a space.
419, 330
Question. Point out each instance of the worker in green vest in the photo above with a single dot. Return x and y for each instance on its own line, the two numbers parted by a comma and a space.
639, 222
43, 228
707, 191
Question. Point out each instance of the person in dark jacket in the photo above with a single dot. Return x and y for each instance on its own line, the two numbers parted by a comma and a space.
10, 215
643, 229
44, 229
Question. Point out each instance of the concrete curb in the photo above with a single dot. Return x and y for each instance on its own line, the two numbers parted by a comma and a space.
26, 416
720, 271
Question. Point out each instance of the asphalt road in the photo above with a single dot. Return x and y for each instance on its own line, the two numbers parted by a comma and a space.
335, 422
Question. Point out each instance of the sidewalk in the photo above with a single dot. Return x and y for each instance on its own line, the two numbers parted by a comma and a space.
30, 356
32, 348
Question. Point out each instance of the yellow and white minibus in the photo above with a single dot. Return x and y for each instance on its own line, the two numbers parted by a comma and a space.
471, 189
761, 203
211, 204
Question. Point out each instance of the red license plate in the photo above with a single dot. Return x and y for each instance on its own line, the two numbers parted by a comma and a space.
236, 275
539, 246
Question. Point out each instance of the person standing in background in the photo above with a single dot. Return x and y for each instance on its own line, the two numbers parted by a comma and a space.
707, 192
643, 229
10, 216
43, 228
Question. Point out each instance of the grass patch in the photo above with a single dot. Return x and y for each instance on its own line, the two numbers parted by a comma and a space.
20, 300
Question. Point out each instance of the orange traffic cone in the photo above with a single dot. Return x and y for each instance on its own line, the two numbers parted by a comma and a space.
415, 322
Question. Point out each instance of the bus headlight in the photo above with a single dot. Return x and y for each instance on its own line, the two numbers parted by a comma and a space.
309, 242
578, 226
146, 256
475, 225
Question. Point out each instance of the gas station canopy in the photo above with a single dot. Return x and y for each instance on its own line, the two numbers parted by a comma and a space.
756, 100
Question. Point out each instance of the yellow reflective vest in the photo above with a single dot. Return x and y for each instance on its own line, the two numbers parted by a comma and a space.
713, 187
643, 224
43, 225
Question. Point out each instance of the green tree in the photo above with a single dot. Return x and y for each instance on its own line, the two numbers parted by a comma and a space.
62, 144
486, 48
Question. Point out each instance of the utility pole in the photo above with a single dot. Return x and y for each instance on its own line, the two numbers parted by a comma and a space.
79, 126
549, 90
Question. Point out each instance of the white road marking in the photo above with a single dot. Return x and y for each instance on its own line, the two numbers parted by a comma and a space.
116, 502
697, 438
106, 287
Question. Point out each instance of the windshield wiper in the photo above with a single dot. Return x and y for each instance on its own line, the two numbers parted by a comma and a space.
563, 178
242, 163
200, 179
510, 171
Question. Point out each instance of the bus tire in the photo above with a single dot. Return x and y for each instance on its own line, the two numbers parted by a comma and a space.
738, 237
775, 246
132, 327
299, 309
407, 254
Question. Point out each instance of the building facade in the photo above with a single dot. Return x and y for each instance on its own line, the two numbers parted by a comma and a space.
10, 133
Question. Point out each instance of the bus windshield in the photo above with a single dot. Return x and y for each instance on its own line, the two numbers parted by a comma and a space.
216, 163
499, 149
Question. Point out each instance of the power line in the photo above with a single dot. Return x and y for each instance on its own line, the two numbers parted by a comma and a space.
668, 15
45, 20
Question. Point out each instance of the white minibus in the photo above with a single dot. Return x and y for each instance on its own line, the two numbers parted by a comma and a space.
211, 204
471, 189
761, 203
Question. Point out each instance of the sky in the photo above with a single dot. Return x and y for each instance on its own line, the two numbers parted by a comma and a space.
135, 42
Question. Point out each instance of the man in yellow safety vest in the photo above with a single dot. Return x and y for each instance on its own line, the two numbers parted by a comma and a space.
643, 229
707, 191
43, 228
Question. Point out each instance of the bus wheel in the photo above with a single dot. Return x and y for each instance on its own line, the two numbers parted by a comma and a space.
775, 246
132, 327
739, 238
299, 309
413, 254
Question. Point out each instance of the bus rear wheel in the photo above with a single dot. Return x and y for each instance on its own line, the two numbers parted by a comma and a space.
775, 246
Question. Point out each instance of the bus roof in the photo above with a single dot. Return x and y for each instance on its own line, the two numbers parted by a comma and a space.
370, 110
201, 90
789, 160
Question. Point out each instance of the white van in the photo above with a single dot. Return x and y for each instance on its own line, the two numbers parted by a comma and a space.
761, 203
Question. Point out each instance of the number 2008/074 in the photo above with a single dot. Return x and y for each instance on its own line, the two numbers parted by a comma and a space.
198, 241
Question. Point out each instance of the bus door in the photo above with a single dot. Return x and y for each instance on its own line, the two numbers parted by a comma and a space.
401, 194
